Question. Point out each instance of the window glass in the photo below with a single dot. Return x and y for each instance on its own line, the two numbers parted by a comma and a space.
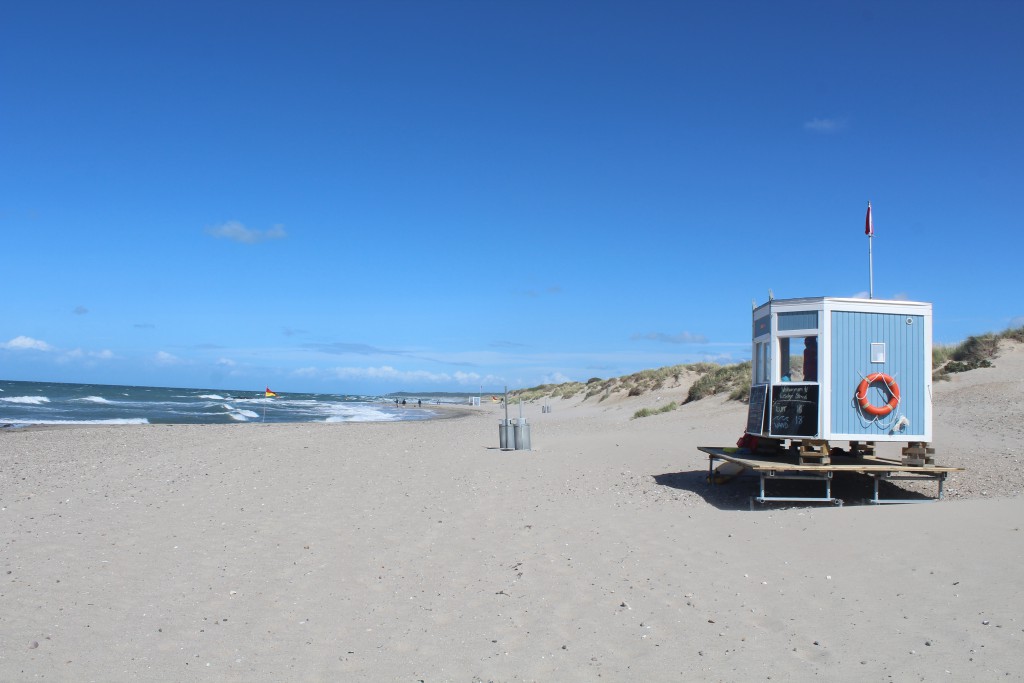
761, 363
798, 359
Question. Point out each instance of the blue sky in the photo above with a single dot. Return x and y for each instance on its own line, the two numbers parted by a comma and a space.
353, 197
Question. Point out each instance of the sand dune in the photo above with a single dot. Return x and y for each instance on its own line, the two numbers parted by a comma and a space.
419, 551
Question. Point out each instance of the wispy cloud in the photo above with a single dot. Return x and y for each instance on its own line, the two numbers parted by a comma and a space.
358, 349
405, 377
164, 358
825, 125
23, 343
501, 344
1016, 322
681, 338
344, 348
88, 356
80, 310
236, 232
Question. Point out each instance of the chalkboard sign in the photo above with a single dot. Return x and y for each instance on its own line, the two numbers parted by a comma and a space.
794, 410
755, 411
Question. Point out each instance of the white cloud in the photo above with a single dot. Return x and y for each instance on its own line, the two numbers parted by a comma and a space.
226, 362
164, 358
23, 343
473, 378
236, 232
387, 372
105, 354
555, 378
681, 338
825, 125
88, 358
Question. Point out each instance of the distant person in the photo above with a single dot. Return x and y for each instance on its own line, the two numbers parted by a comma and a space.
811, 359
419, 403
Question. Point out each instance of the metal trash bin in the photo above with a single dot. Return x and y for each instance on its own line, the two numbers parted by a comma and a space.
506, 438
522, 435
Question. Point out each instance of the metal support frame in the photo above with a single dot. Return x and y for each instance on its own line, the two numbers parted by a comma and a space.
824, 477
877, 477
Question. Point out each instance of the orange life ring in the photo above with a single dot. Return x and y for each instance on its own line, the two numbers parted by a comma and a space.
862, 394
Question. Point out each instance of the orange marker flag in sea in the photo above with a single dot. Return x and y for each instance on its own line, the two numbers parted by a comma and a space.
270, 393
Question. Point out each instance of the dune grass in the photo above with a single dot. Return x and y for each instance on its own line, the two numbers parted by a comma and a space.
974, 352
647, 412
734, 379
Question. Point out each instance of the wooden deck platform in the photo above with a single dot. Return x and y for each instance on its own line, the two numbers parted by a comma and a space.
735, 461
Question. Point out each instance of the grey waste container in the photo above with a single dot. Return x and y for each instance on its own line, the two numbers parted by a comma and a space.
506, 438
522, 435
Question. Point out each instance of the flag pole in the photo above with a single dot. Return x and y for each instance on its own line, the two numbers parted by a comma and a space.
869, 230
871, 270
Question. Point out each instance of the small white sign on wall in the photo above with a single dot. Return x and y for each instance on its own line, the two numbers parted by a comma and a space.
878, 352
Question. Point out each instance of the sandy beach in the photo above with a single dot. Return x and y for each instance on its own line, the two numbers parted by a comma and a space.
419, 551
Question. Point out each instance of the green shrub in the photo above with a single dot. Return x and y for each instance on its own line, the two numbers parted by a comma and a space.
974, 352
647, 412
961, 366
732, 378
976, 349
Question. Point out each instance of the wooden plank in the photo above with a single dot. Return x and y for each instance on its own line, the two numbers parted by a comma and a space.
789, 464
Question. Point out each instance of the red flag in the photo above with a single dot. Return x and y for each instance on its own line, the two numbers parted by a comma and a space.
869, 227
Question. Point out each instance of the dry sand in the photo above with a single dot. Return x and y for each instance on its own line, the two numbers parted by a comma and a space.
418, 551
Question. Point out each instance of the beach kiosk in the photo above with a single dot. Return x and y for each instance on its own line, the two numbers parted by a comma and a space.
830, 378
828, 369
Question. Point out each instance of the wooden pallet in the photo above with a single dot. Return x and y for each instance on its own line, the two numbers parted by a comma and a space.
813, 453
917, 454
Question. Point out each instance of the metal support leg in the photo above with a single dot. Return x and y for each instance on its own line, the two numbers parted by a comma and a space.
877, 500
825, 478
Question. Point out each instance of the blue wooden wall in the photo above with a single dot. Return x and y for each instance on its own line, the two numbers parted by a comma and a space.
852, 336
798, 320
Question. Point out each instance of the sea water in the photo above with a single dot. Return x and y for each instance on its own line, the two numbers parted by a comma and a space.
43, 403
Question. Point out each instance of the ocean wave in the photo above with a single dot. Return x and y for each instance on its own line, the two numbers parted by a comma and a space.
243, 415
349, 413
122, 421
211, 397
96, 399
28, 400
